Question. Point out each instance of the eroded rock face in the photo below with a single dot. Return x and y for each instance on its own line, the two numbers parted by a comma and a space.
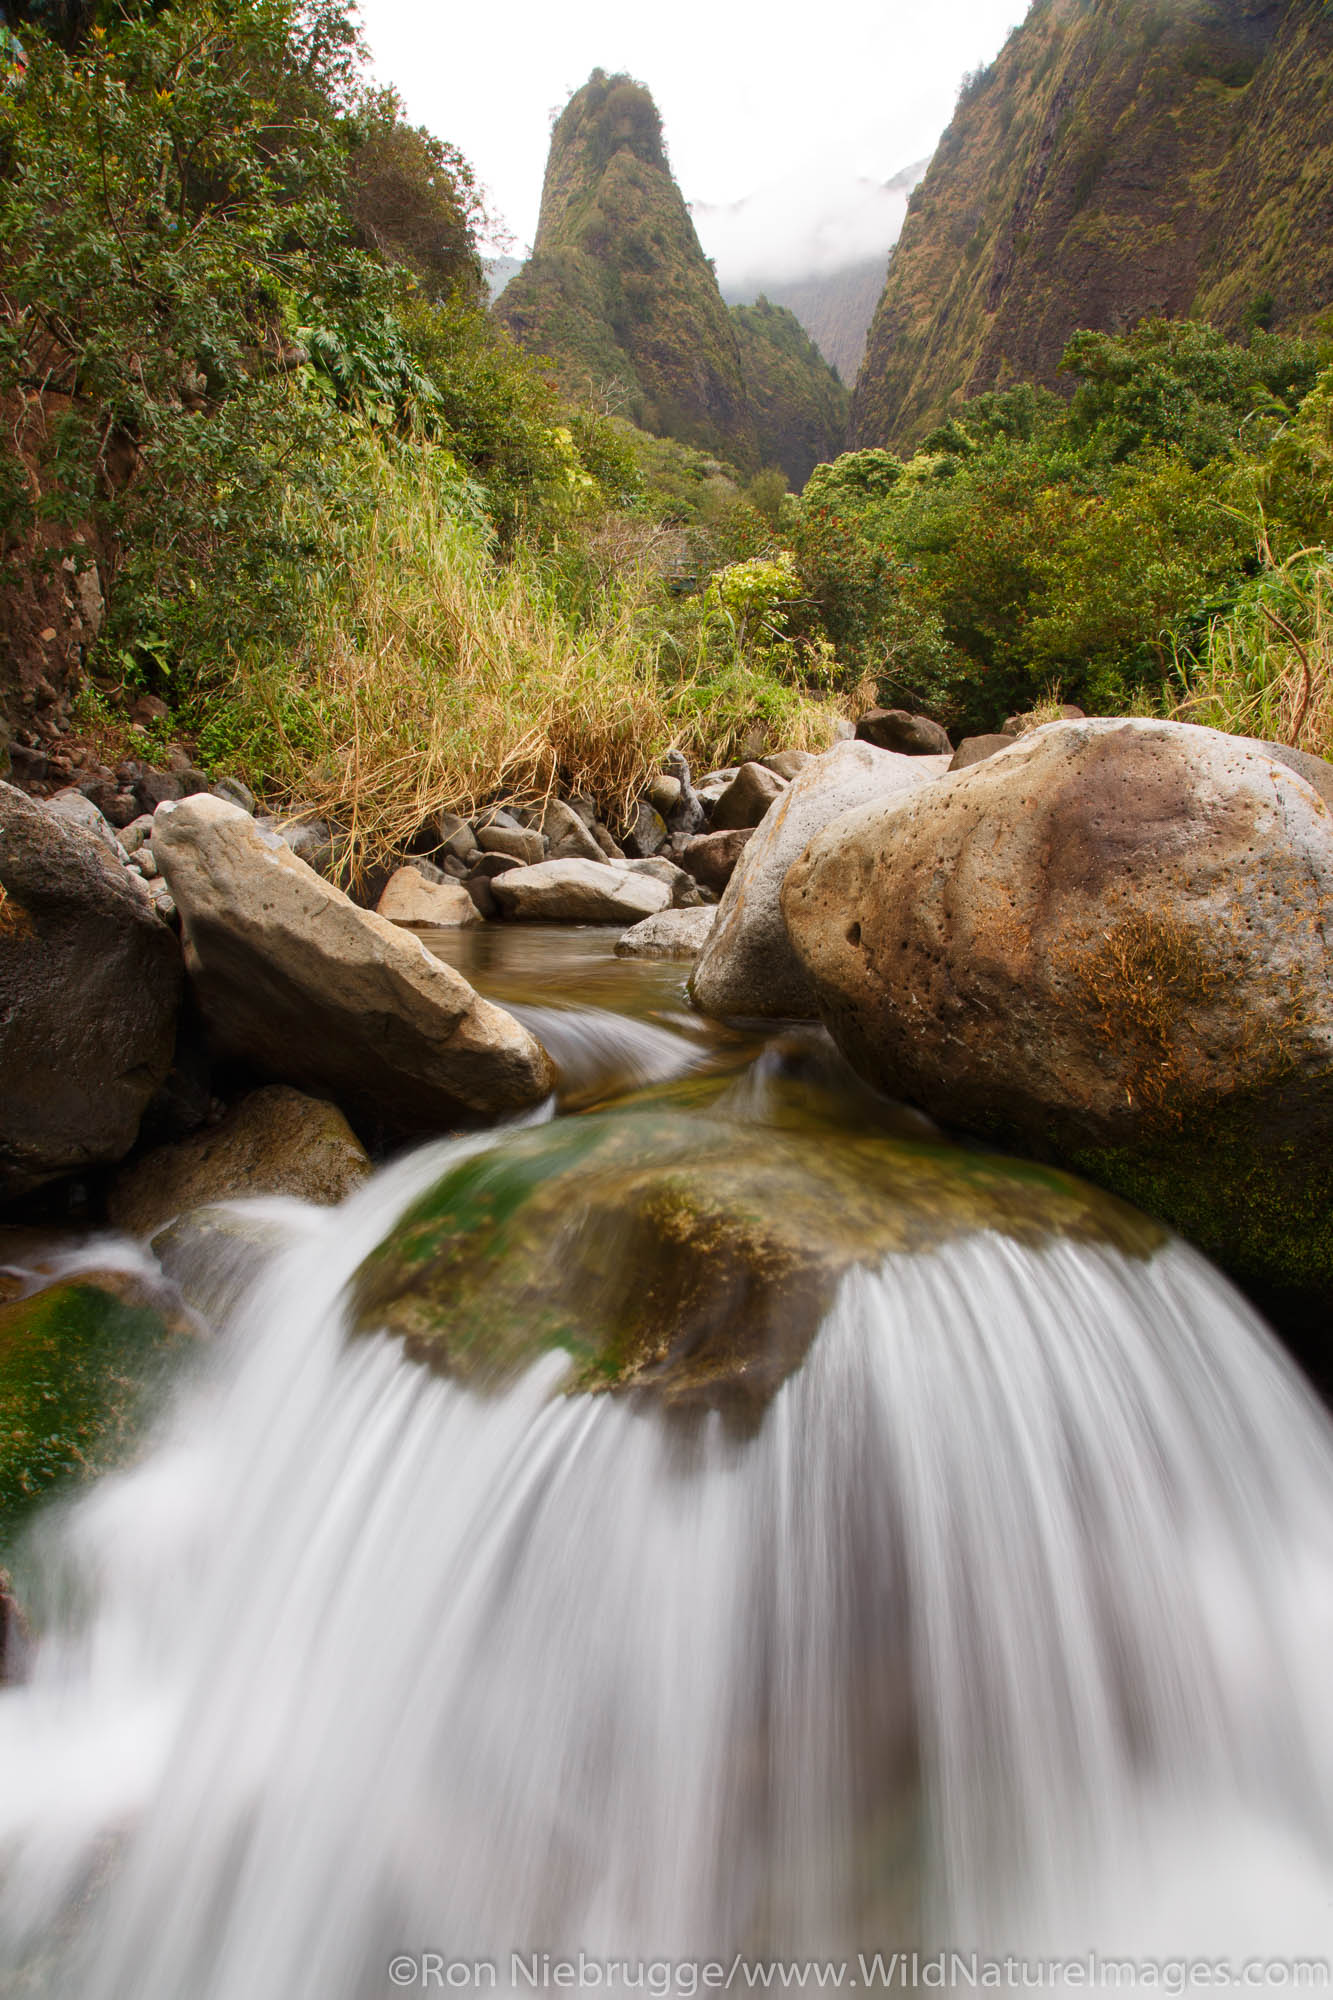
1107, 945
580, 892
677, 933
298, 981
748, 966
275, 1141
90, 982
680, 1255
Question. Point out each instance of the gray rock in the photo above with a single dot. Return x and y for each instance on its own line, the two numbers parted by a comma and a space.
137, 834
570, 837
749, 966
235, 793
482, 894
689, 814
677, 933
292, 977
647, 834
491, 866
663, 793
515, 842
976, 749
409, 897
747, 798
910, 735
610, 848
76, 810
1316, 771
1108, 946
456, 837
310, 840
275, 1141
90, 983
711, 857
580, 892
684, 889
145, 863
786, 763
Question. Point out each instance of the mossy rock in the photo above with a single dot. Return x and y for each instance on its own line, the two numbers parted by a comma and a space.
685, 1255
81, 1366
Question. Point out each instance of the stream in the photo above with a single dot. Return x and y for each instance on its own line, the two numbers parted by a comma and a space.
989, 1613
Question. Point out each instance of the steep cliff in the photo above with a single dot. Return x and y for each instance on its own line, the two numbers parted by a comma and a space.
1120, 158
620, 297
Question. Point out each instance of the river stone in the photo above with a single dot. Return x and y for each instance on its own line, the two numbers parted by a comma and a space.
83, 1364
296, 980
666, 1252
90, 984
747, 798
748, 966
580, 892
571, 837
897, 729
976, 749
663, 794
677, 933
688, 815
76, 809
516, 843
647, 833
711, 857
684, 889
275, 1141
409, 898
1107, 946
786, 763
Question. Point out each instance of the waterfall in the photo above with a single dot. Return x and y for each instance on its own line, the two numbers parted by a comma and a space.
1006, 1630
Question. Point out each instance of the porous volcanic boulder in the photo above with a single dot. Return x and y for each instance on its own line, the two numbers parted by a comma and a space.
711, 857
1316, 771
580, 892
298, 981
976, 749
668, 1256
90, 985
678, 933
748, 966
747, 798
1108, 946
410, 898
275, 1141
897, 729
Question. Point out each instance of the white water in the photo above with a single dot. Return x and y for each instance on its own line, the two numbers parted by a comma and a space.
358, 1664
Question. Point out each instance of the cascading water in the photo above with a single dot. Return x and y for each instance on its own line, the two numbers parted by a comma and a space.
1004, 1628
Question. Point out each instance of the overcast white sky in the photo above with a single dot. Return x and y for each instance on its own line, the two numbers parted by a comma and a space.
749, 95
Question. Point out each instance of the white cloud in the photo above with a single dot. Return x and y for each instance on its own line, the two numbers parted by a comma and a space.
749, 99
803, 226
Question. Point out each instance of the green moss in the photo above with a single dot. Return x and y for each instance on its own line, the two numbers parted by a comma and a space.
80, 1365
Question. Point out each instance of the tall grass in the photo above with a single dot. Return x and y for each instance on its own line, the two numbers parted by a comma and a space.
1267, 668
432, 675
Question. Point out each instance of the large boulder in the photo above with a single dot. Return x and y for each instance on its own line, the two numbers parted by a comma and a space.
711, 857
580, 892
570, 837
897, 729
747, 798
275, 1141
976, 749
299, 982
668, 1255
678, 933
1106, 945
90, 983
748, 966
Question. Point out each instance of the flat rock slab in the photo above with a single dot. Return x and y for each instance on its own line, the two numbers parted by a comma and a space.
298, 981
670, 934
580, 892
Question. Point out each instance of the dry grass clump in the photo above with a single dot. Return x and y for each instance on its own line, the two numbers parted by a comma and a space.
1267, 669
434, 677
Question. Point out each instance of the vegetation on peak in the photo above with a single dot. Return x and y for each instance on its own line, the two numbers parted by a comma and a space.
1120, 160
620, 298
